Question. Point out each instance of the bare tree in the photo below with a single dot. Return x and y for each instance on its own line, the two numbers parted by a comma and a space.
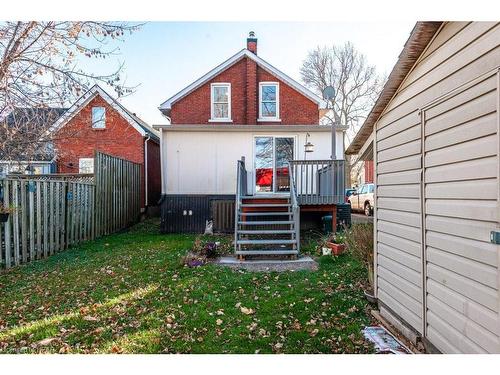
39, 71
356, 83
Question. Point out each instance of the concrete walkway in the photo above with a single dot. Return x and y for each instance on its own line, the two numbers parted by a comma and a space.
268, 265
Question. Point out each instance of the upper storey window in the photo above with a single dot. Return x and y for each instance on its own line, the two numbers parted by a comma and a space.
269, 105
220, 102
98, 117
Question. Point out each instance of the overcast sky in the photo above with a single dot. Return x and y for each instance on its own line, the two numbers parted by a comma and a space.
164, 57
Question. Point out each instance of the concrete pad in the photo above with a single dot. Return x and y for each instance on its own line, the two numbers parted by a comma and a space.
269, 265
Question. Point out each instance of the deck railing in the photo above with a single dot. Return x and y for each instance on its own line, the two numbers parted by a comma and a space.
318, 181
295, 207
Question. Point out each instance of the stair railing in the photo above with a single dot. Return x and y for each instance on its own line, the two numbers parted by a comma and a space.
295, 206
241, 190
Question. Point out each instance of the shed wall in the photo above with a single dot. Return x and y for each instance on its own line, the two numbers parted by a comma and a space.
435, 266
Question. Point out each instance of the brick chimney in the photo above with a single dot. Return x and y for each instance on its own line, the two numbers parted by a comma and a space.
251, 82
252, 42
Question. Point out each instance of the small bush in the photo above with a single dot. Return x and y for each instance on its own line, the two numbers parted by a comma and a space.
206, 248
359, 241
210, 246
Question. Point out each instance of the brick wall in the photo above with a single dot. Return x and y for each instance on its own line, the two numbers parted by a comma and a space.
154, 173
295, 108
77, 139
369, 171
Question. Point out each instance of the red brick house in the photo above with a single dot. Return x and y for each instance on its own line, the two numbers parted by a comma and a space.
98, 122
246, 109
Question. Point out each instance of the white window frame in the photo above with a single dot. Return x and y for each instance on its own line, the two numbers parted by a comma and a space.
103, 119
85, 160
212, 112
274, 118
254, 154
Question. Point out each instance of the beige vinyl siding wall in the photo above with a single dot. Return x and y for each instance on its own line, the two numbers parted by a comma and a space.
460, 132
460, 195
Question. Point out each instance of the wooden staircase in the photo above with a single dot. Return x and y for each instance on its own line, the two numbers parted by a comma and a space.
266, 227
270, 225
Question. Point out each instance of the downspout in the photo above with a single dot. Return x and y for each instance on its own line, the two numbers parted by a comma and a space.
146, 170
162, 166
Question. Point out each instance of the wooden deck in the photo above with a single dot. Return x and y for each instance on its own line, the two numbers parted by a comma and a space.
269, 224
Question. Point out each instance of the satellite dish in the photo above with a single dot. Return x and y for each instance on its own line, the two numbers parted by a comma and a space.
328, 93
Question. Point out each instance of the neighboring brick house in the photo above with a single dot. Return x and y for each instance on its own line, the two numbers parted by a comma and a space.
26, 126
98, 122
244, 107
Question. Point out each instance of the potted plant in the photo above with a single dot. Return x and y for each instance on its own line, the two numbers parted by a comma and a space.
336, 243
5, 212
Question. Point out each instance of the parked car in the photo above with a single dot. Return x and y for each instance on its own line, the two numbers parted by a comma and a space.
362, 199
348, 193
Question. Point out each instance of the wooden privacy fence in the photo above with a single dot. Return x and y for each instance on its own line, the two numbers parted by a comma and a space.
51, 213
118, 193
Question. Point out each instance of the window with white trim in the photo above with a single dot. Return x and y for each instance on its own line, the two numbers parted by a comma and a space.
98, 117
269, 93
220, 101
86, 165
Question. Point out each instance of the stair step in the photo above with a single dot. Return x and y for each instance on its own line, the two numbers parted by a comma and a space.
267, 252
267, 231
265, 222
265, 213
265, 197
266, 205
266, 242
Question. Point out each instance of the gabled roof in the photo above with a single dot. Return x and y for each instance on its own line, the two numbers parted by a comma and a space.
28, 118
26, 124
167, 105
142, 127
420, 37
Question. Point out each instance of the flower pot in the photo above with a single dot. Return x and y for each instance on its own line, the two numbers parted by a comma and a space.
337, 248
4, 217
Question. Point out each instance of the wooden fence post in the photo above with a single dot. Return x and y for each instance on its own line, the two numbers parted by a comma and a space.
38, 220
7, 231
31, 199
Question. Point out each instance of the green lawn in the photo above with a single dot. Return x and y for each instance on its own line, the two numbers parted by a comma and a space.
129, 293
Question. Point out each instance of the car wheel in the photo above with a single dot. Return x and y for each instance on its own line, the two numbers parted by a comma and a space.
368, 209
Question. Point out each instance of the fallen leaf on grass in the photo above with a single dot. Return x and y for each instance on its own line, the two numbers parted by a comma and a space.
218, 322
89, 318
46, 341
247, 311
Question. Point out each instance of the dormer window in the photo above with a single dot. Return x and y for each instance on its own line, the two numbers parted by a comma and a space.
98, 118
220, 99
269, 104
